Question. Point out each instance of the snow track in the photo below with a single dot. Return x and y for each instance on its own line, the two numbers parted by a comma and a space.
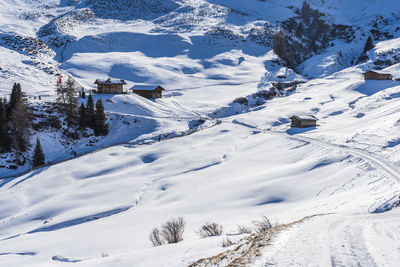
337, 240
379, 163
387, 167
347, 244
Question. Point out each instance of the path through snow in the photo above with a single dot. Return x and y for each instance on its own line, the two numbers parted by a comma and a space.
338, 240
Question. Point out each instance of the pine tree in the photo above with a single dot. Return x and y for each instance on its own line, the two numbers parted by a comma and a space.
4, 135
16, 96
82, 117
279, 45
38, 156
306, 12
368, 44
90, 112
20, 123
101, 128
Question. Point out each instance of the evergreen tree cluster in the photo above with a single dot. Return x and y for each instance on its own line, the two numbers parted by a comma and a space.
89, 117
14, 127
14, 122
308, 33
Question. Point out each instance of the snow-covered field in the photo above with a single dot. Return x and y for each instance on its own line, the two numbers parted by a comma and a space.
158, 162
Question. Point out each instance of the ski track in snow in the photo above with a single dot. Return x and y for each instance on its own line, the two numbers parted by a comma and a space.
383, 165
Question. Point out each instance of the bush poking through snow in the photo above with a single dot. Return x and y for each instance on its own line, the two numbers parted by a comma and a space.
155, 238
226, 242
172, 230
262, 225
244, 229
210, 229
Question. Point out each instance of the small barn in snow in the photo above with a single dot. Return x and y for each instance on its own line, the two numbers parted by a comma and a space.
148, 91
303, 121
110, 86
372, 75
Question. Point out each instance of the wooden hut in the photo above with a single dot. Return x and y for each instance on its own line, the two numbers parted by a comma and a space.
303, 121
148, 91
110, 86
372, 75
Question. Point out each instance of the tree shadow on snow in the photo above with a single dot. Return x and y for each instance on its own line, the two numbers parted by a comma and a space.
80, 220
32, 174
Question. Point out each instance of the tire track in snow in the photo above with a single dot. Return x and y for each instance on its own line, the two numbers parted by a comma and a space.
347, 244
337, 241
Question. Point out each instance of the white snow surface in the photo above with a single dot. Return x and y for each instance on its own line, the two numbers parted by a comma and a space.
98, 209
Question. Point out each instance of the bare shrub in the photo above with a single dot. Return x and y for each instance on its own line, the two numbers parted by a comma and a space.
172, 230
262, 225
155, 238
210, 229
244, 229
226, 242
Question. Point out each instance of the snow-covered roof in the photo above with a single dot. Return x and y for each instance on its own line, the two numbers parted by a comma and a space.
305, 117
147, 87
110, 81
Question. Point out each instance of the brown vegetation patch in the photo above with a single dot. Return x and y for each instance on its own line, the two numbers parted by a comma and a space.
249, 248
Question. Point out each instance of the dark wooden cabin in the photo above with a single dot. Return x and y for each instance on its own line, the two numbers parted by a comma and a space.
110, 86
372, 75
303, 121
148, 91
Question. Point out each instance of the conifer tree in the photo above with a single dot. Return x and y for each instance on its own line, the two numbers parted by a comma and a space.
90, 112
38, 156
368, 44
16, 96
280, 45
82, 117
20, 123
101, 127
306, 12
4, 135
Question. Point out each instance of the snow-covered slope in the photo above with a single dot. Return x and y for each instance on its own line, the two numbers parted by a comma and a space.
251, 164
98, 209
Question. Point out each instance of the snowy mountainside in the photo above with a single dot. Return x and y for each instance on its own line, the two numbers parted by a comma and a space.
338, 168
203, 29
218, 147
